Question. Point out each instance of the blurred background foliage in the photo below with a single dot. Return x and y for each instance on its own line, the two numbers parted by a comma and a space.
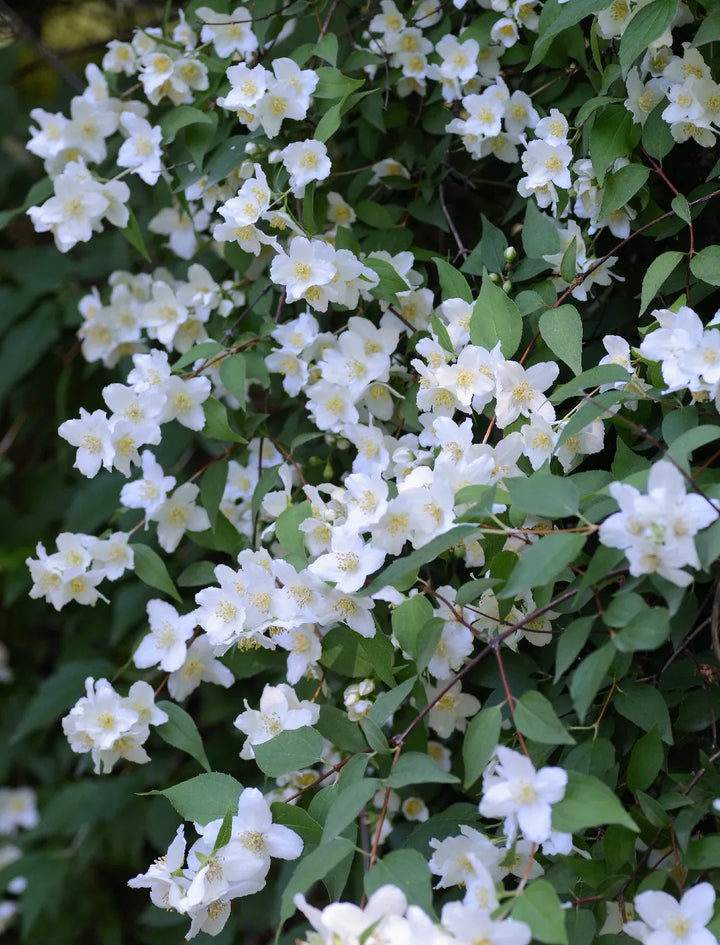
78, 860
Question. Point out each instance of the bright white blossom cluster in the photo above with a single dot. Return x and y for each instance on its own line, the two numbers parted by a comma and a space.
388, 917
110, 726
412, 408
18, 810
656, 530
80, 563
219, 868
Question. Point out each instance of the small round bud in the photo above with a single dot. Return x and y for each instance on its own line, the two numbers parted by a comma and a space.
495, 278
510, 254
507, 287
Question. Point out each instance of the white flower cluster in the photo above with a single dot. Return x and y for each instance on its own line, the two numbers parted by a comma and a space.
688, 352
154, 396
18, 809
685, 82
79, 205
280, 711
656, 530
165, 647
387, 917
264, 99
158, 307
170, 70
218, 869
110, 726
80, 563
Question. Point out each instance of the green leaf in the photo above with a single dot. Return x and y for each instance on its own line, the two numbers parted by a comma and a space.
572, 640
334, 725
407, 869
297, 819
481, 739
40, 191
657, 272
56, 695
204, 798
489, 252
709, 31
555, 19
403, 568
646, 760
568, 263
657, 138
703, 854
543, 494
453, 284
198, 574
705, 266
588, 677
408, 619
217, 426
232, 374
613, 135
390, 280
312, 868
381, 653
681, 207
621, 185
150, 569
375, 215
389, 702
542, 562
329, 123
333, 84
646, 25
347, 805
495, 318
180, 117
212, 486
226, 157
649, 629
689, 441
289, 751
414, 767
202, 352
287, 530
562, 332
327, 48
181, 732
588, 802
536, 718
540, 907
539, 235
645, 706
592, 378
133, 234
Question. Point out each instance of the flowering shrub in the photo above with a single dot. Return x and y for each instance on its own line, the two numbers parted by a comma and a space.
409, 405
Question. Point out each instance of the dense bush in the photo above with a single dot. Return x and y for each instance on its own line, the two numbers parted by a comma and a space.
388, 559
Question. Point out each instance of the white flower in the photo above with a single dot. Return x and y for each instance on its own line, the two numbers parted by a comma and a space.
179, 514
92, 434
665, 921
513, 789
280, 710
141, 150
200, 666
305, 161
17, 809
452, 710
164, 646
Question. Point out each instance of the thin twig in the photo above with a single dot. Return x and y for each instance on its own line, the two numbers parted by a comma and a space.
25, 33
